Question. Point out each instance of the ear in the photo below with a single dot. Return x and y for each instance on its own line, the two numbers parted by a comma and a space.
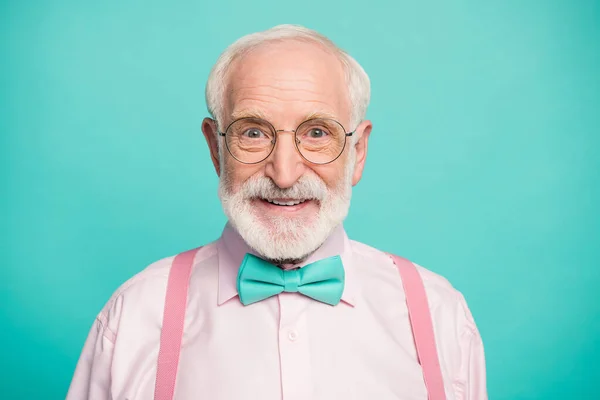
209, 128
363, 131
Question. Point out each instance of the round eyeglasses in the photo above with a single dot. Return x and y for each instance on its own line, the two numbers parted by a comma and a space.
252, 140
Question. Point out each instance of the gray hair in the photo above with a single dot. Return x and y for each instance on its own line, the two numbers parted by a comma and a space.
357, 79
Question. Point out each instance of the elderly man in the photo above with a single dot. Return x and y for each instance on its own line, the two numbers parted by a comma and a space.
283, 305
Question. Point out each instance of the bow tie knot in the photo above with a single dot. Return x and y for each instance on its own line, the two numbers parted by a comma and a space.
322, 280
291, 280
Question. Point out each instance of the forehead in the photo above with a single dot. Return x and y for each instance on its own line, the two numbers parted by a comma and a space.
287, 80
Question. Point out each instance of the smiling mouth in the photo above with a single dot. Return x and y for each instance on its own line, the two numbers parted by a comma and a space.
283, 202
286, 203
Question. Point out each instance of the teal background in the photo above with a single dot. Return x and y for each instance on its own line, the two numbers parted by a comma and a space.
483, 165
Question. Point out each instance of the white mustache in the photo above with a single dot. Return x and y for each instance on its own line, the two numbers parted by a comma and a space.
306, 188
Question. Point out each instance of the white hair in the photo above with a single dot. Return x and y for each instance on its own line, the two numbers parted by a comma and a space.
357, 79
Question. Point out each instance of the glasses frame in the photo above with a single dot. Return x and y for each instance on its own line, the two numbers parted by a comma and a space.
276, 134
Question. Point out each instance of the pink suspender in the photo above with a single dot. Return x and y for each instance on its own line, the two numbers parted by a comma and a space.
172, 327
174, 316
422, 327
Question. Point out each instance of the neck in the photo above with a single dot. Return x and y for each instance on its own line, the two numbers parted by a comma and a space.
290, 263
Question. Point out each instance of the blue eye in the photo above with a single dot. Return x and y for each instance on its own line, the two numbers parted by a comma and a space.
253, 133
317, 133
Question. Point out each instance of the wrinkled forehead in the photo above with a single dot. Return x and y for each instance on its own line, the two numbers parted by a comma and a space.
286, 82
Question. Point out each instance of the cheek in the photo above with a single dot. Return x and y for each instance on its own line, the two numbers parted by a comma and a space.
237, 173
331, 174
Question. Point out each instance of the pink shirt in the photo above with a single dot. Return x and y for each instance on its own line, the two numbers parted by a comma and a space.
286, 347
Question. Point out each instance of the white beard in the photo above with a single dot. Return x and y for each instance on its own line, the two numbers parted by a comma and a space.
282, 239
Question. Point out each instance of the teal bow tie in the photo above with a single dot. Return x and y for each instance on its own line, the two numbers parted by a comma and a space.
259, 279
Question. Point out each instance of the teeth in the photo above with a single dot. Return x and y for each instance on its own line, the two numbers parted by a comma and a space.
286, 203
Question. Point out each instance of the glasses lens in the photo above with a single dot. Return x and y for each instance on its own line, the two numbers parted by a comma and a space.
321, 140
250, 140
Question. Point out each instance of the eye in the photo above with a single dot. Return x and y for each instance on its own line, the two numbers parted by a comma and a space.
317, 133
253, 133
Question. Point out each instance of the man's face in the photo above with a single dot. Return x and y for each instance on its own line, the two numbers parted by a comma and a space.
286, 83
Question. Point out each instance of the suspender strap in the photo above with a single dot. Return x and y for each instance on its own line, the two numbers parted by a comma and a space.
422, 327
172, 327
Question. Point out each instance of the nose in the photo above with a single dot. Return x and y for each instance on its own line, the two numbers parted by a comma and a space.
285, 165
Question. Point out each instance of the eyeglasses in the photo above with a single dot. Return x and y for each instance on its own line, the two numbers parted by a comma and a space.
252, 140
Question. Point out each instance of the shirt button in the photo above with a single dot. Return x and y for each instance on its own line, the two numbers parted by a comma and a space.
292, 335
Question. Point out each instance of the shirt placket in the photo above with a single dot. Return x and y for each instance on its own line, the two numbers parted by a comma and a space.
294, 354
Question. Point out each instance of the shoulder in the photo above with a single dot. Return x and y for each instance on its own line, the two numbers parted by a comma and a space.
157, 273
445, 301
143, 294
455, 330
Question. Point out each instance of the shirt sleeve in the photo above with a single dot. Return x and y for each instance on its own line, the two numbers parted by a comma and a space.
471, 382
476, 379
91, 380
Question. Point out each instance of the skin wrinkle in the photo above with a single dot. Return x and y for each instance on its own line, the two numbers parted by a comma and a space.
273, 99
258, 113
278, 81
276, 88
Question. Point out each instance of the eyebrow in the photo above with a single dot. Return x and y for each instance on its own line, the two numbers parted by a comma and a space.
249, 113
321, 115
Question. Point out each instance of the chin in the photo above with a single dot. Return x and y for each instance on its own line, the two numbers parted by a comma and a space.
282, 237
288, 227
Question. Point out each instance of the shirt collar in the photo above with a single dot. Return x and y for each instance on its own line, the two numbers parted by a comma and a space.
232, 249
